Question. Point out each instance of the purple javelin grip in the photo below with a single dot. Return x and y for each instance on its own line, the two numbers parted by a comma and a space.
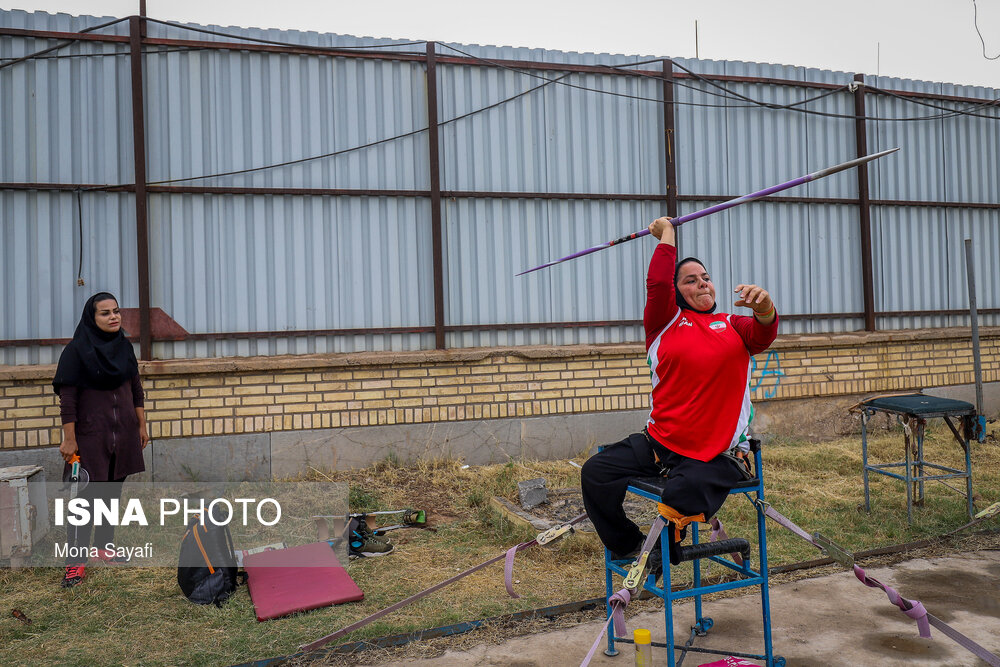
753, 196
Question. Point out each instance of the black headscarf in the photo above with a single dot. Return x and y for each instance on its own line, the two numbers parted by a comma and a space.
680, 299
96, 359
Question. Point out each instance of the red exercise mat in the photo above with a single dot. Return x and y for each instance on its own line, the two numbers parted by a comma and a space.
285, 581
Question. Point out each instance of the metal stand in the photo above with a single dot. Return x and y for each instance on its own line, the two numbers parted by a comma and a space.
651, 488
913, 412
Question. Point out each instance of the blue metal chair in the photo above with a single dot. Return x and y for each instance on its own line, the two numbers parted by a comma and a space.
652, 488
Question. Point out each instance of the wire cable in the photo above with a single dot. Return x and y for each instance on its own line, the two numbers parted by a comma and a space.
345, 150
906, 98
57, 46
79, 221
753, 103
975, 22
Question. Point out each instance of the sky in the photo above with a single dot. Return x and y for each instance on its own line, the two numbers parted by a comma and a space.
931, 40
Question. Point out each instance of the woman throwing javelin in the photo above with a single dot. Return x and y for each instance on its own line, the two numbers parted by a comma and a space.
700, 411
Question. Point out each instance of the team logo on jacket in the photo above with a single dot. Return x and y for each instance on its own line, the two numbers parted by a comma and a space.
684, 323
718, 325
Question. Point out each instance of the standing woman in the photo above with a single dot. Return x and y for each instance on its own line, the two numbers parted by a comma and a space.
103, 419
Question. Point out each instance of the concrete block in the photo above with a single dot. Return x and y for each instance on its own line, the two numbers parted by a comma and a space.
217, 458
46, 457
532, 492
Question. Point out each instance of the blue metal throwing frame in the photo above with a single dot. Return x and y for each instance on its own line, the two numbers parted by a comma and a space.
754, 490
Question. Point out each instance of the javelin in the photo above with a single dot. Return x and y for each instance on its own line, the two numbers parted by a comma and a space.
678, 221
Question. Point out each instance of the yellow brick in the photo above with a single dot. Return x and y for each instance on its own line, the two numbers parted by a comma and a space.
215, 412
290, 398
249, 390
27, 390
330, 386
209, 381
170, 383
35, 423
207, 402
368, 375
24, 412
164, 394
369, 395
216, 391
257, 400
30, 402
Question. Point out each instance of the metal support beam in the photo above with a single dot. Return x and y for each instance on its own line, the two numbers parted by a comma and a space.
864, 204
139, 154
437, 242
669, 145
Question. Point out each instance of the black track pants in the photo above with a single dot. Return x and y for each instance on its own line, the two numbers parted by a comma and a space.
80, 536
694, 487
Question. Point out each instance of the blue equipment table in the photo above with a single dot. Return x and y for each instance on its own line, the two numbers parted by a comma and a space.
912, 412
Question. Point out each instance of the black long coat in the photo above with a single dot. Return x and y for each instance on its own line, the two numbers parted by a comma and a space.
106, 425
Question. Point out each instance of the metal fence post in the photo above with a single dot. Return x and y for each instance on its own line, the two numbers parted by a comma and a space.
864, 203
139, 155
669, 145
437, 242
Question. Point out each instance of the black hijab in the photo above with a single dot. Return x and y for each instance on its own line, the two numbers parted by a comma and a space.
680, 299
96, 359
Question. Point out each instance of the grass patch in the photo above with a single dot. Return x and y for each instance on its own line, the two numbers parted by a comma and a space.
138, 616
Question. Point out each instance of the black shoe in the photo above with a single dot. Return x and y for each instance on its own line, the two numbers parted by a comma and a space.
631, 555
654, 564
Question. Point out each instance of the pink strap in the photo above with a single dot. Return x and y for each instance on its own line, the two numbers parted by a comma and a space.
911, 608
597, 642
508, 565
618, 602
719, 533
508, 572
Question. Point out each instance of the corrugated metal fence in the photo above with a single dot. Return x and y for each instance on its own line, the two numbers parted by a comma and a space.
370, 240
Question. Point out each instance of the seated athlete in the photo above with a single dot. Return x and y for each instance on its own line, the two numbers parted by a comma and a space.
700, 411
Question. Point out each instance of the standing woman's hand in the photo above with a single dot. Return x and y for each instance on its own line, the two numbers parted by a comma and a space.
68, 448
140, 413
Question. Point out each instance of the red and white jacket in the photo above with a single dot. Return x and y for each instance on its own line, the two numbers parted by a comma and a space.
699, 364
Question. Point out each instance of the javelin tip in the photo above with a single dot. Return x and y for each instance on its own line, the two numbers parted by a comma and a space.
848, 165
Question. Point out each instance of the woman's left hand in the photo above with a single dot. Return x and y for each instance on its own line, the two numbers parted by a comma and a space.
143, 437
754, 297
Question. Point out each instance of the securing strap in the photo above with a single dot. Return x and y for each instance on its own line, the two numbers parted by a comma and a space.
911, 608
544, 537
719, 534
679, 520
634, 577
916, 611
413, 598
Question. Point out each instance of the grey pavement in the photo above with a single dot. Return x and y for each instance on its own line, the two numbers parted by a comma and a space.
820, 622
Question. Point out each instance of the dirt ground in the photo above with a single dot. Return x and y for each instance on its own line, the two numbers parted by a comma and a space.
822, 621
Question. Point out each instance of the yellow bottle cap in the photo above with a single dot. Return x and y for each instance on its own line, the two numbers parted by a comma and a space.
641, 636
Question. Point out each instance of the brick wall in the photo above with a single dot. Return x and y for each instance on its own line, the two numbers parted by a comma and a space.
266, 394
